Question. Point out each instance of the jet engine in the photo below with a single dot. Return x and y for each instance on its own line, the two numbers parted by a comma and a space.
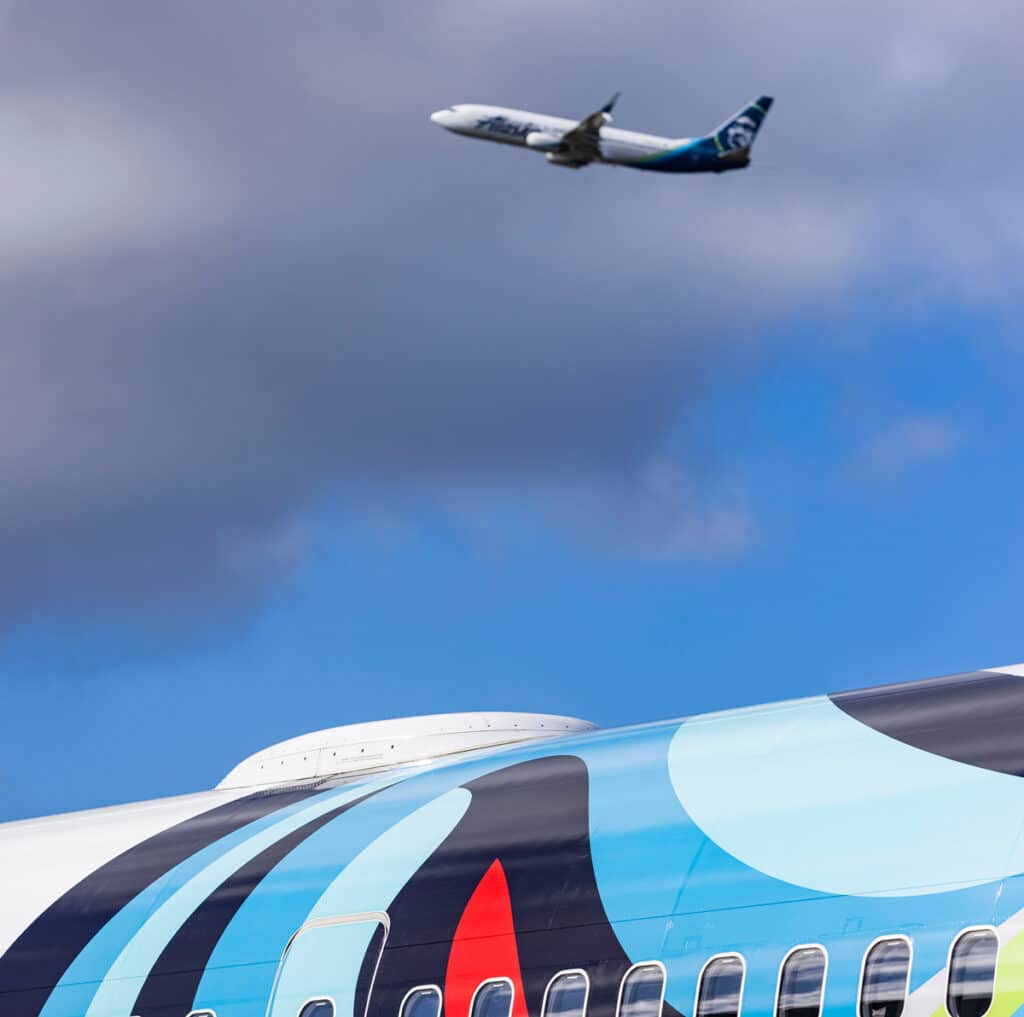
556, 159
543, 142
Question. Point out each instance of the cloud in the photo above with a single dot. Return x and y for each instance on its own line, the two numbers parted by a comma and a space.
661, 513
243, 276
82, 175
905, 445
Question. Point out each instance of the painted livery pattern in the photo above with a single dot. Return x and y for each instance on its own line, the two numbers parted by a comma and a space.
832, 820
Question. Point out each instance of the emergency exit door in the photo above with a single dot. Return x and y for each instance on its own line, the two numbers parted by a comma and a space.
331, 961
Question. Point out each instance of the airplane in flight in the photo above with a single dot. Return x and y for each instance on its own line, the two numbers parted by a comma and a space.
859, 854
574, 143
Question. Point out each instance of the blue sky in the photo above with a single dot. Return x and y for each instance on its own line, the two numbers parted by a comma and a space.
849, 581
313, 414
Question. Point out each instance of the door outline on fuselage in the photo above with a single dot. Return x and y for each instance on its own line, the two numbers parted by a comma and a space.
379, 917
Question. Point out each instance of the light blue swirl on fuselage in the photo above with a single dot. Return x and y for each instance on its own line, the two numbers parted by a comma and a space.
808, 794
330, 959
137, 933
672, 892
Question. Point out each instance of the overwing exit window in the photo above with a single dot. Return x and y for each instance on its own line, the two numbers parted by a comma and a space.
721, 987
972, 973
493, 999
642, 991
566, 995
318, 1008
802, 983
883, 984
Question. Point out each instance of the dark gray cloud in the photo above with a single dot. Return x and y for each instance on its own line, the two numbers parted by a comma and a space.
242, 274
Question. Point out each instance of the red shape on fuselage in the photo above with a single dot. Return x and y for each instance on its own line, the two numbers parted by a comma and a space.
484, 946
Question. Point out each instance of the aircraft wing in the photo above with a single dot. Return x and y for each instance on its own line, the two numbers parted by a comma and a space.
582, 144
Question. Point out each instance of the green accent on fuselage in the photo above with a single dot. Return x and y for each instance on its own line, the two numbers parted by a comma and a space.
1009, 988
1008, 995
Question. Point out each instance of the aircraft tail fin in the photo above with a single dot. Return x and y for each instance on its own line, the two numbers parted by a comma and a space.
737, 134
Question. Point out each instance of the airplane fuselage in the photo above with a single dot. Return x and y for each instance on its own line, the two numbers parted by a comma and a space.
853, 855
542, 132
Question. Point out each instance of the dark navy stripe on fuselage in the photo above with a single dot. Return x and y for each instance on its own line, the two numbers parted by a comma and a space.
38, 959
534, 818
170, 988
973, 718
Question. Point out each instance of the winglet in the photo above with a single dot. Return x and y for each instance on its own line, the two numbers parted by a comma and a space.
610, 104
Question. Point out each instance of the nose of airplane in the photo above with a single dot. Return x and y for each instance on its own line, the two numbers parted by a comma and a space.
443, 117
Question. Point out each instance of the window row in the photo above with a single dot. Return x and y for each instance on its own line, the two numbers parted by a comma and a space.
884, 983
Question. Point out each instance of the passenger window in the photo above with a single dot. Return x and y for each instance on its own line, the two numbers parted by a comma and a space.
493, 999
883, 985
972, 973
318, 1008
566, 995
801, 983
423, 1001
202, 1013
642, 991
720, 986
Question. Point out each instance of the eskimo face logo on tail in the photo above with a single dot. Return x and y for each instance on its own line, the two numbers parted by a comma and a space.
740, 133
